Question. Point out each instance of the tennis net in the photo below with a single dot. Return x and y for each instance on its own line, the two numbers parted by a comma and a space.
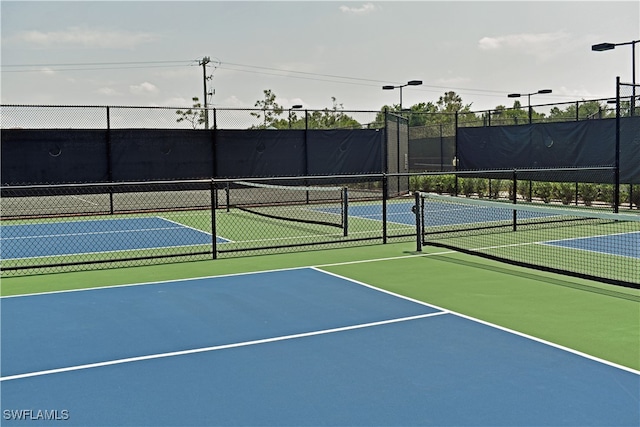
322, 205
579, 242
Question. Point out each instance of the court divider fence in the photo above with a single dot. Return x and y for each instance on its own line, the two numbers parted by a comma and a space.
70, 227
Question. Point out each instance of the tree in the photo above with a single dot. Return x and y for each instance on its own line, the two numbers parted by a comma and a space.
329, 118
585, 110
451, 102
194, 115
270, 111
333, 118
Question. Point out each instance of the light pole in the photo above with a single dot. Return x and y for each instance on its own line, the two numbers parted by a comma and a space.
609, 46
409, 83
528, 95
293, 107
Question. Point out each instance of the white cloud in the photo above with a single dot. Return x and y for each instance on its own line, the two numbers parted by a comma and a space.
522, 41
234, 102
84, 37
363, 10
47, 70
143, 88
542, 46
107, 91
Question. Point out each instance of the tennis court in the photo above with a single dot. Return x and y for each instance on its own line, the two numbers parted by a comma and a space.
377, 334
299, 346
625, 244
81, 237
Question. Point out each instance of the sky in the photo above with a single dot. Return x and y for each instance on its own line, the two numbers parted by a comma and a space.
148, 53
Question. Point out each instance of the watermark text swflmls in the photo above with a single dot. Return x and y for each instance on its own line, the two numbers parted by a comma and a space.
35, 414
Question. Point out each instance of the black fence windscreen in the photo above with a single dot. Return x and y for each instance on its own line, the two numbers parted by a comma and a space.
54, 156
344, 152
160, 154
259, 153
36, 156
552, 145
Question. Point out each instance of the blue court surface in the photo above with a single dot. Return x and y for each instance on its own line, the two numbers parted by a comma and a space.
437, 214
293, 347
624, 244
96, 236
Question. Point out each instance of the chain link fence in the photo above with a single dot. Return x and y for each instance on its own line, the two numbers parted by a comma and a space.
56, 228
132, 117
141, 117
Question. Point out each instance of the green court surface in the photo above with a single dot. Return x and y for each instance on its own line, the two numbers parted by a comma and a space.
599, 320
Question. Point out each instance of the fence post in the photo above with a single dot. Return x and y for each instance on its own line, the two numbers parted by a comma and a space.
455, 155
616, 190
109, 160
418, 212
214, 204
385, 194
515, 199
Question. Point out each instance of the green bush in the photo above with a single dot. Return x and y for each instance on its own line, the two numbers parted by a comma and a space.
588, 193
482, 187
524, 190
543, 190
635, 196
415, 183
497, 186
468, 186
445, 184
605, 193
564, 192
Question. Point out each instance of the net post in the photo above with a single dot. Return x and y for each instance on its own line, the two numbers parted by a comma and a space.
418, 212
214, 205
345, 211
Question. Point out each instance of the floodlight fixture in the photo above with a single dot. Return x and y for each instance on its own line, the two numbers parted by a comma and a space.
294, 107
603, 46
608, 46
409, 83
528, 95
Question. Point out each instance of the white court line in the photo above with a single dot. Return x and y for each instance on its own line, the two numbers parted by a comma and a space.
316, 268
115, 251
214, 348
247, 273
93, 233
84, 200
492, 325
178, 226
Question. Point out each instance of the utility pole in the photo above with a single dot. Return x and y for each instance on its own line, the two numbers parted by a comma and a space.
204, 63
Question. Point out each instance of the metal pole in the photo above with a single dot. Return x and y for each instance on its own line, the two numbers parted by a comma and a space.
616, 190
417, 212
633, 76
109, 160
214, 205
204, 63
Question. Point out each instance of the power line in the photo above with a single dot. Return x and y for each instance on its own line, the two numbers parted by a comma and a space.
246, 68
77, 64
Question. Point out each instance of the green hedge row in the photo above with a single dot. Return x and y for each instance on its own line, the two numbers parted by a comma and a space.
547, 192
